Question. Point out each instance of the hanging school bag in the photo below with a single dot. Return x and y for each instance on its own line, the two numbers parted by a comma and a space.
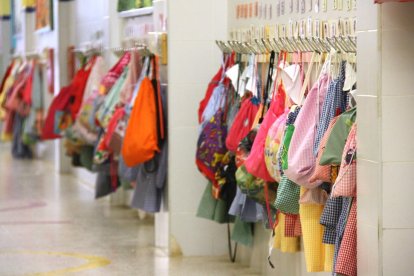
215, 81
211, 147
58, 103
288, 192
105, 111
215, 103
144, 130
116, 139
272, 145
301, 157
334, 104
255, 163
345, 184
19, 99
65, 106
254, 188
242, 123
323, 173
336, 141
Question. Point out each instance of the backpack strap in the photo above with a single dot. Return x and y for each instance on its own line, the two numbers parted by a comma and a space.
307, 79
268, 83
158, 102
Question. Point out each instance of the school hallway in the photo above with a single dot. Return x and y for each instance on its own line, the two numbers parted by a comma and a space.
50, 224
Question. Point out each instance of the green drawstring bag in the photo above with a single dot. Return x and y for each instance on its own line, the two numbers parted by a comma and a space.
287, 199
285, 145
125, 5
106, 110
213, 209
147, 3
254, 187
242, 232
126, 185
86, 157
336, 141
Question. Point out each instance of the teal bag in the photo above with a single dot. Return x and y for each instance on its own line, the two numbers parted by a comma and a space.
335, 145
106, 110
242, 232
213, 209
86, 157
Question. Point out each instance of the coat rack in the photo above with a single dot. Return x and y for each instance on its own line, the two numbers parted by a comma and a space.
340, 44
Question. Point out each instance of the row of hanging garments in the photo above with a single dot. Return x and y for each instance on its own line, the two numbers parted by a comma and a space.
277, 144
111, 122
22, 105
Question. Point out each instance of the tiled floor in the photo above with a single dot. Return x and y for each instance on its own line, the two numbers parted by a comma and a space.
51, 224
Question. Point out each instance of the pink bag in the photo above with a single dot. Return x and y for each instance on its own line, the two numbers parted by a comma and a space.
323, 173
255, 163
301, 156
272, 145
242, 124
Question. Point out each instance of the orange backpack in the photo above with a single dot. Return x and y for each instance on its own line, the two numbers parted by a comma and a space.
145, 127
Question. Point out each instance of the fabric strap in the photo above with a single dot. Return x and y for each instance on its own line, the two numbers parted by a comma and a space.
307, 79
268, 83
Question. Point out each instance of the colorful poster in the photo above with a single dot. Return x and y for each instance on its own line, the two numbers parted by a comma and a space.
126, 5
27, 4
4, 9
44, 15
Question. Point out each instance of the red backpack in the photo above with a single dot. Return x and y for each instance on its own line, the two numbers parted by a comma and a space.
215, 81
67, 102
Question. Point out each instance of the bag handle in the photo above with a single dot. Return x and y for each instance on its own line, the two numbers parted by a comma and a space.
232, 251
281, 57
158, 101
307, 79
268, 83
269, 214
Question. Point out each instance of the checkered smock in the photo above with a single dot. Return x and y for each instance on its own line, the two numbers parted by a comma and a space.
335, 103
318, 256
346, 263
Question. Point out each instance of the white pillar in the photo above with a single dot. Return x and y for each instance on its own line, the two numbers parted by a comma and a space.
6, 44
193, 59
64, 25
385, 130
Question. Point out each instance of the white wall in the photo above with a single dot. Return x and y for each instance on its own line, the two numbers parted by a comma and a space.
193, 60
385, 221
369, 139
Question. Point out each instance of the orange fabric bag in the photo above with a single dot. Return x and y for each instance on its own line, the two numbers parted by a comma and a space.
145, 126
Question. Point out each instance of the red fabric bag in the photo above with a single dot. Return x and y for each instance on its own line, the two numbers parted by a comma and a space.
109, 80
243, 123
68, 100
113, 123
58, 103
215, 81
6, 76
19, 99
78, 85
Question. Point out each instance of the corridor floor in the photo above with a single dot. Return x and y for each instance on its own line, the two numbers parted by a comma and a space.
50, 224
